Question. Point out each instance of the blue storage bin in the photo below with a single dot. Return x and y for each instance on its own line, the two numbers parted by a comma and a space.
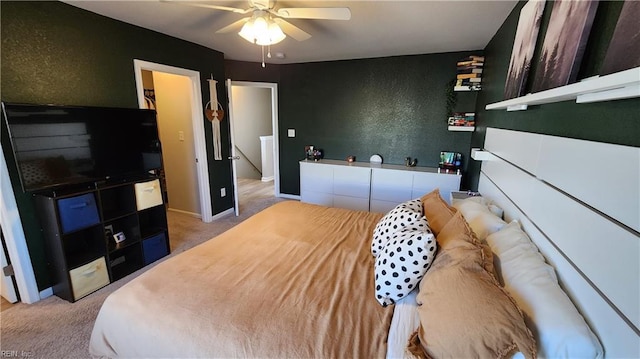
78, 212
154, 248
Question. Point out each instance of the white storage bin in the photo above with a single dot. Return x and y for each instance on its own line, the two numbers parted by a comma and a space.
88, 278
148, 194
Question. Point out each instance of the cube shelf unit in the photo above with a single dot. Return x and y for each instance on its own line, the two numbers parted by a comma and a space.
79, 227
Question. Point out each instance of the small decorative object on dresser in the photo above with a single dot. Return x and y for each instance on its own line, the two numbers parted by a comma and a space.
375, 159
450, 161
318, 154
308, 152
351, 159
410, 162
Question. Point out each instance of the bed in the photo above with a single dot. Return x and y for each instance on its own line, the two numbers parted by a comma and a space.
300, 280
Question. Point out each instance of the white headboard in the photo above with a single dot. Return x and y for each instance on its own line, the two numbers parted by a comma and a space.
579, 201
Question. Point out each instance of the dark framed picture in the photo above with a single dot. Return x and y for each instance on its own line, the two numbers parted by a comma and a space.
564, 43
523, 47
624, 49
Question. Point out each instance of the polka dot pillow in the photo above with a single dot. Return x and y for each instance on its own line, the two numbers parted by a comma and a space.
402, 263
407, 214
414, 205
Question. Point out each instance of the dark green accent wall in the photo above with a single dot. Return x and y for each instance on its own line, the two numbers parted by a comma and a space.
392, 106
56, 53
615, 122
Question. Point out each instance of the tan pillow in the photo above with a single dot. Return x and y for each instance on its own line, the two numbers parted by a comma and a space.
437, 210
464, 313
457, 226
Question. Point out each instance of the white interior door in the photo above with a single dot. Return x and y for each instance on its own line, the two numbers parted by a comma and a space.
234, 157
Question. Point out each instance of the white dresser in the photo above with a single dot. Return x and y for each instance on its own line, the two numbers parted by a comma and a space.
365, 187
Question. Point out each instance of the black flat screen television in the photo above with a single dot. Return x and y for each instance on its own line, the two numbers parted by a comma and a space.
57, 146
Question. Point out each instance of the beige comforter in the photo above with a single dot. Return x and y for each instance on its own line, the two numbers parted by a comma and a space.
295, 280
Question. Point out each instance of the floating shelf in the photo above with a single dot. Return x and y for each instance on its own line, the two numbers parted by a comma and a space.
479, 154
619, 85
464, 89
462, 128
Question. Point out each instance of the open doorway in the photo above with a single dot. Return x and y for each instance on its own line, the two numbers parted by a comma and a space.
254, 133
170, 96
176, 95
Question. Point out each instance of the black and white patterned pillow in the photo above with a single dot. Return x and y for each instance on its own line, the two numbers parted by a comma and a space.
404, 215
414, 205
402, 263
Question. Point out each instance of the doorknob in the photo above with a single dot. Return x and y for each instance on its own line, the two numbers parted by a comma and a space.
234, 157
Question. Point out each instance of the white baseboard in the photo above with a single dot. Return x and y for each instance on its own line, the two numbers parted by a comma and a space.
224, 214
289, 196
46, 293
267, 179
196, 215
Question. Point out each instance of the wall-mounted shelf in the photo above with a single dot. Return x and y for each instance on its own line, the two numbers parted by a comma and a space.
462, 128
479, 154
620, 85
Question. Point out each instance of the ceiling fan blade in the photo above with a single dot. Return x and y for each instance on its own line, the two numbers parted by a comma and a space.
235, 26
207, 6
323, 13
292, 30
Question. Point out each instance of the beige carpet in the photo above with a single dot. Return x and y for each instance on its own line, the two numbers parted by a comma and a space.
54, 328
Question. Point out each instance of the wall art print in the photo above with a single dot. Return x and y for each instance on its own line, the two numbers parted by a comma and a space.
624, 50
564, 43
523, 48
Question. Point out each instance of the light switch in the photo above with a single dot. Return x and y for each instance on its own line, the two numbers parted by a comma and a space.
291, 132
180, 135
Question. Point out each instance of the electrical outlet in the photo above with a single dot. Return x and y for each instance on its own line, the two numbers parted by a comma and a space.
223, 192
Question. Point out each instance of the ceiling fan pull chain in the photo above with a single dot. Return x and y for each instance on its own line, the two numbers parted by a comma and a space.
269, 52
263, 65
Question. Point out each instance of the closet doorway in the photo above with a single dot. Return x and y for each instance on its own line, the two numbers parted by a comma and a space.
176, 95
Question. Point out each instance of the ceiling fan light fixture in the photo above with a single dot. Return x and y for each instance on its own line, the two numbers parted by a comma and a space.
262, 30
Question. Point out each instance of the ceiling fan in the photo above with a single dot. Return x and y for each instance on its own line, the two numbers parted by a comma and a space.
264, 15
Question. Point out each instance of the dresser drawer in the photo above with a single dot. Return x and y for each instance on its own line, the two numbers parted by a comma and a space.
89, 278
78, 212
148, 194
391, 185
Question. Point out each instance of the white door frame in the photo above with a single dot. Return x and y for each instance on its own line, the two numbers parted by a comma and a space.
232, 153
7, 289
274, 128
15, 239
197, 119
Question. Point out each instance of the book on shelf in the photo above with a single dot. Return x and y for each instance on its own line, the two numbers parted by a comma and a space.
474, 58
469, 73
468, 76
467, 88
468, 83
463, 119
470, 63
468, 70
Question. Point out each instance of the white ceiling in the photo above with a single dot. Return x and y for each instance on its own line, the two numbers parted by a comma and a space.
376, 28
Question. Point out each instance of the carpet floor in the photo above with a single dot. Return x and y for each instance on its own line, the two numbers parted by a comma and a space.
54, 328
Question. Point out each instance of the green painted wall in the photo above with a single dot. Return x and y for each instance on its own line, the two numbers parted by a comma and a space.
394, 106
56, 53
612, 121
